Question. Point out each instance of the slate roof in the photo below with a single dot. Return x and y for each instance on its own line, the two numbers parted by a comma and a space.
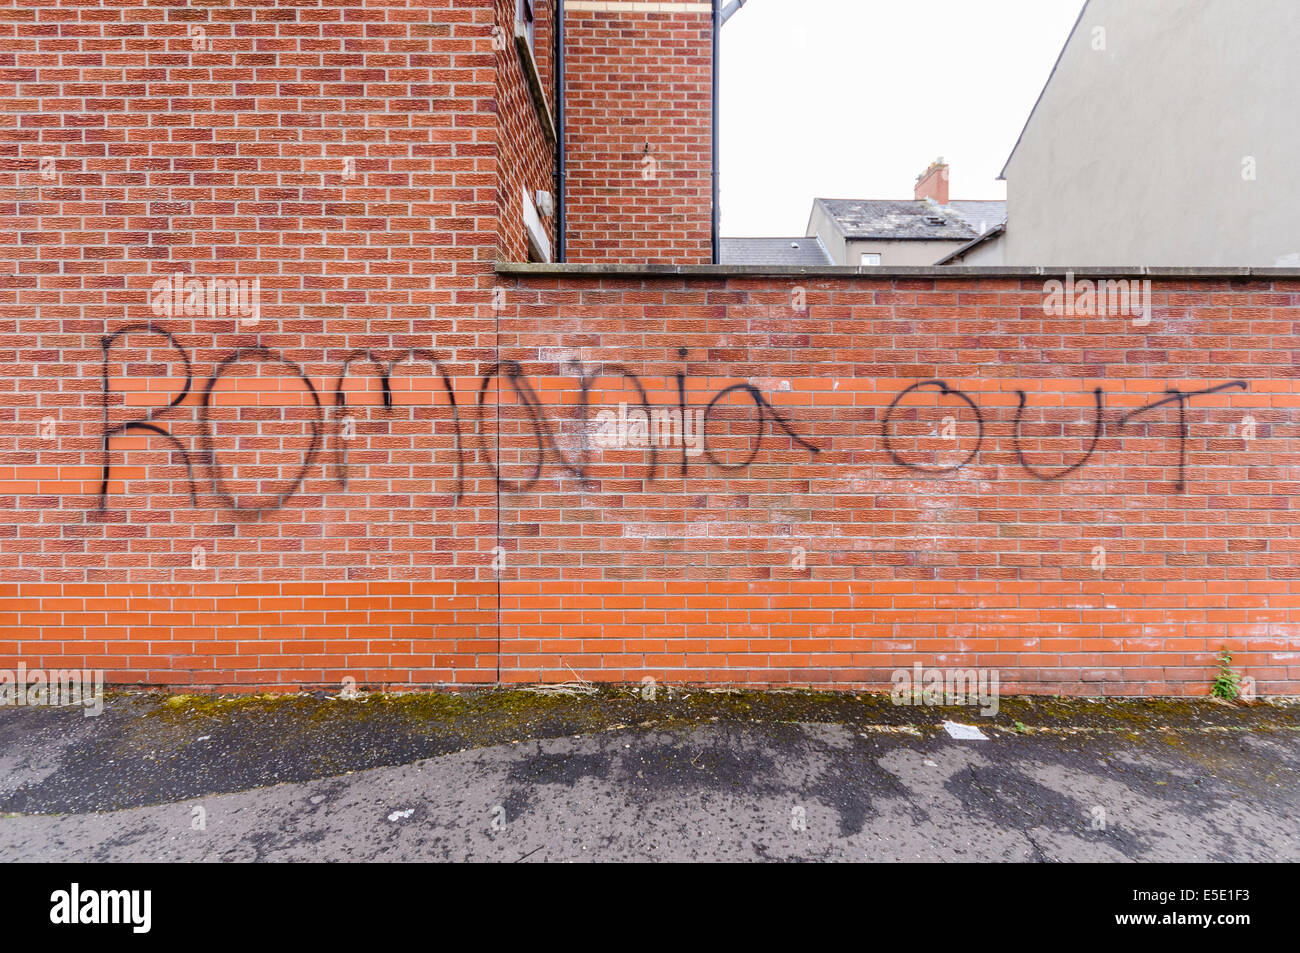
982, 215
988, 236
775, 251
914, 219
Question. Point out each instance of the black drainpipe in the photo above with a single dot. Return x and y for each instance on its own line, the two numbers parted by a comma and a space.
720, 16
717, 211
560, 176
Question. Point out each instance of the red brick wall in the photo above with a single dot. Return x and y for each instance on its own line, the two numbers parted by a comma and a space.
199, 495
345, 156
817, 548
638, 108
544, 45
618, 569
527, 152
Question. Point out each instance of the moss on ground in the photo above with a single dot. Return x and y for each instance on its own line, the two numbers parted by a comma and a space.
493, 716
164, 748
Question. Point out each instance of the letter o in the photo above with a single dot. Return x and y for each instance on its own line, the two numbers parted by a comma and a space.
945, 391
261, 354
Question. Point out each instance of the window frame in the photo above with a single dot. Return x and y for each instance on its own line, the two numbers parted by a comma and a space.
524, 14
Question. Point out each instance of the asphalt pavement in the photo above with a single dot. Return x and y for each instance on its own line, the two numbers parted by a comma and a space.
520, 777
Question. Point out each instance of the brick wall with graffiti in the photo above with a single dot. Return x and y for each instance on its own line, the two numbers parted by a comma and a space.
273, 416
821, 481
708, 478
219, 223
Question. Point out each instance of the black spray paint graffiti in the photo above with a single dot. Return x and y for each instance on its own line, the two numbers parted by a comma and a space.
209, 442
946, 391
545, 439
1097, 427
385, 377
513, 373
231, 360
146, 422
1180, 397
543, 433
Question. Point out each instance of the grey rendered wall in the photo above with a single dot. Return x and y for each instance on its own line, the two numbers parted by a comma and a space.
1139, 152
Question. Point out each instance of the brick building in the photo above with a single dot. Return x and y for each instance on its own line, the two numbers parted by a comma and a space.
632, 180
284, 404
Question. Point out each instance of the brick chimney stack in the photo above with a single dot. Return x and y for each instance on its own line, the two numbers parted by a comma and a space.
933, 182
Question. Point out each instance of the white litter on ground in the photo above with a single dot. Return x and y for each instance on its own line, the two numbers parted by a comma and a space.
964, 732
401, 815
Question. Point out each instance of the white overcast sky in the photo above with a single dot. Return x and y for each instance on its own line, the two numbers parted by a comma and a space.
854, 98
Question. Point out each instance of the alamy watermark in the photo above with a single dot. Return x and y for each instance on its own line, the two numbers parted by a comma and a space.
54, 688
1122, 297
127, 907
663, 428
180, 295
936, 686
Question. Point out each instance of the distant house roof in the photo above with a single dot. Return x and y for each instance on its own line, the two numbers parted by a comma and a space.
982, 215
775, 251
913, 219
960, 253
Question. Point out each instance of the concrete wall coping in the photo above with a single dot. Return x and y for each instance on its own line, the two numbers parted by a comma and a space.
914, 271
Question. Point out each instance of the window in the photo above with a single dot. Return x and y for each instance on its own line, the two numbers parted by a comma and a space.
539, 242
870, 258
524, 16
525, 40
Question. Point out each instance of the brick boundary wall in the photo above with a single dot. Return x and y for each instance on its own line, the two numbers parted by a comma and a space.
871, 492
840, 515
